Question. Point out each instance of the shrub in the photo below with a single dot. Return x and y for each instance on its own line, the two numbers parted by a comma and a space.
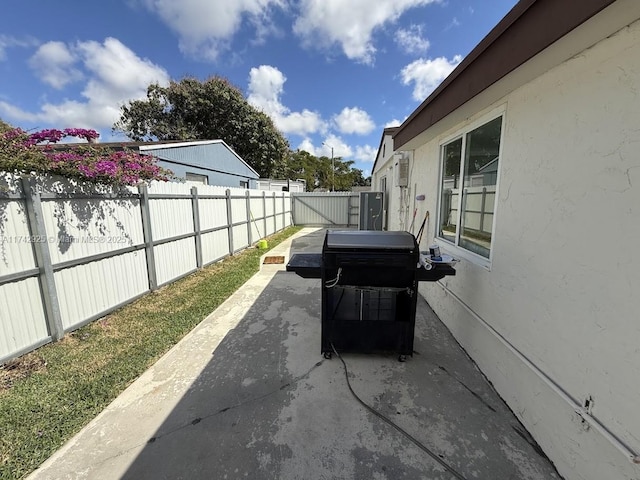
24, 153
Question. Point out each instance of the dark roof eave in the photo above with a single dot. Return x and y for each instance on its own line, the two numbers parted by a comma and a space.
530, 27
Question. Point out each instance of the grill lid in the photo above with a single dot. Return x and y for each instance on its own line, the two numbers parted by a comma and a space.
369, 240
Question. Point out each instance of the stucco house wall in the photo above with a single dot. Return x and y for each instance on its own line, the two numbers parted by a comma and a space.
382, 173
399, 202
552, 317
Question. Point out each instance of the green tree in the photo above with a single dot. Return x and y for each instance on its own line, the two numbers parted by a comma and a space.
346, 176
301, 164
316, 171
358, 179
191, 109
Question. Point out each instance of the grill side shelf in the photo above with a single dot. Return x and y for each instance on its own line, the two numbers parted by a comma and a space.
306, 265
435, 274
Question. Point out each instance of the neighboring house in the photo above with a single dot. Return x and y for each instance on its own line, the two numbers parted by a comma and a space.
199, 162
208, 162
541, 121
282, 185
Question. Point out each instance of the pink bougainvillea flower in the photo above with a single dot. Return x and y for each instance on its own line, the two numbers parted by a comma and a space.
20, 152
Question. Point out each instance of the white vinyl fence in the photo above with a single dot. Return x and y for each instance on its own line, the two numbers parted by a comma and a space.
71, 253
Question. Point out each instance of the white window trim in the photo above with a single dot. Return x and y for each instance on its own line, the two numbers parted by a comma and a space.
200, 176
445, 245
383, 178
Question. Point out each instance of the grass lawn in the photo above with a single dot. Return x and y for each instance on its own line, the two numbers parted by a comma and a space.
48, 395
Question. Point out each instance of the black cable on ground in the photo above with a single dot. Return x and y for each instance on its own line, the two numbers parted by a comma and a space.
197, 420
420, 445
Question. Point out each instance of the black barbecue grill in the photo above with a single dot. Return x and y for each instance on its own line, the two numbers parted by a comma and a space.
369, 289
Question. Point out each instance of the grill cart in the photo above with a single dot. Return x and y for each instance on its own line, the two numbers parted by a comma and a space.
369, 289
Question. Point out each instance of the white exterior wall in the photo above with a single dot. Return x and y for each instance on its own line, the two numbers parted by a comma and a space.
384, 168
400, 202
562, 284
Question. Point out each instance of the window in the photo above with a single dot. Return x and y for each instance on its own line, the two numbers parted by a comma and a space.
383, 184
468, 188
197, 178
244, 184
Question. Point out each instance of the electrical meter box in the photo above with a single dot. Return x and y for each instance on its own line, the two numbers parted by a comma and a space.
371, 210
402, 172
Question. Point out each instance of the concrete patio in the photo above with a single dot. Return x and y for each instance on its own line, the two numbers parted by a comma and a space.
247, 394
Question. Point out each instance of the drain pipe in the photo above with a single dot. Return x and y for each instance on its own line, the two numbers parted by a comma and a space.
581, 411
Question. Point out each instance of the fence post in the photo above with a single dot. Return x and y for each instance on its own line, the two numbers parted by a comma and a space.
264, 212
275, 214
284, 212
195, 208
143, 190
484, 201
249, 215
229, 221
445, 212
38, 232
349, 211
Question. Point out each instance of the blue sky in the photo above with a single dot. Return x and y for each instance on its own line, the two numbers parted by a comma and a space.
327, 71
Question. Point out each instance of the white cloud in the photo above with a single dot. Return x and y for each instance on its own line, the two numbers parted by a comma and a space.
354, 120
393, 123
325, 23
427, 74
340, 148
411, 39
117, 72
365, 153
265, 89
308, 146
206, 27
114, 75
14, 113
7, 41
54, 63
300, 123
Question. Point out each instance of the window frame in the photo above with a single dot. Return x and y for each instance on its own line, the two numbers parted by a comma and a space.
200, 176
455, 248
383, 180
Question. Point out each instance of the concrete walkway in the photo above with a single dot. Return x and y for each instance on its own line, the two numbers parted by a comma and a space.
247, 395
